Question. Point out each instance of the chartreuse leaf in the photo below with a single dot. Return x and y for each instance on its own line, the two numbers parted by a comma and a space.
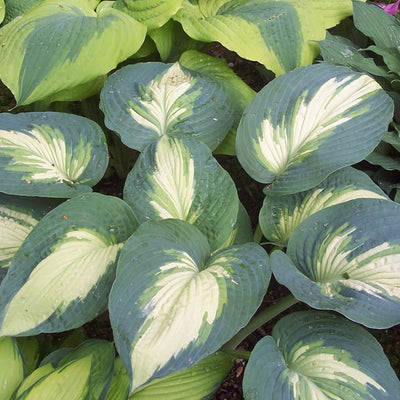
18, 216
302, 127
279, 34
2, 10
173, 303
346, 258
197, 382
98, 367
238, 91
101, 368
145, 101
11, 367
179, 178
152, 13
280, 215
60, 45
70, 259
70, 382
50, 154
324, 357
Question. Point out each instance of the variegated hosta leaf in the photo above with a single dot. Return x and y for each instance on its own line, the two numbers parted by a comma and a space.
62, 44
303, 126
18, 216
11, 367
96, 373
145, 101
325, 357
70, 259
152, 13
50, 154
2, 10
347, 258
70, 382
280, 215
279, 34
179, 178
197, 382
172, 304
238, 91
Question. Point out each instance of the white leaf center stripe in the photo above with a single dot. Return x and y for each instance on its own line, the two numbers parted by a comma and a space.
67, 274
43, 150
184, 307
174, 181
161, 108
314, 119
318, 200
336, 365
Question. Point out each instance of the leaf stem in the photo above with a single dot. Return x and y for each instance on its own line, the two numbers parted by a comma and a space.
260, 319
258, 234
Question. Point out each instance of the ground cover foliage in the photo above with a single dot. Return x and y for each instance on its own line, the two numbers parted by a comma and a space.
122, 160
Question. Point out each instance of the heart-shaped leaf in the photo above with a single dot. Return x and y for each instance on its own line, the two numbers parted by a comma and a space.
280, 215
70, 259
305, 125
347, 258
324, 357
172, 304
279, 34
59, 45
144, 101
50, 154
179, 178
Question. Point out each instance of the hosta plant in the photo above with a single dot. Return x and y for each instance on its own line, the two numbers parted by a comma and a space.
172, 257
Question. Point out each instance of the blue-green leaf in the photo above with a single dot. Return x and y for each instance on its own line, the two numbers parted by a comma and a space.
347, 258
50, 154
305, 125
280, 215
70, 259
179, 178
145, 101
173, 303
324, 357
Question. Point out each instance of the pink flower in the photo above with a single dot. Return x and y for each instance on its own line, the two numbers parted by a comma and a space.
391, 9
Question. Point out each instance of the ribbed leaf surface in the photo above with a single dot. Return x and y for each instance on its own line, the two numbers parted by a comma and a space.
179, 178
325, 357
50, 154
305, 125
70, 259
347, 258
172, 304
152, 13
145, 101
60, 45
280, 215
279, 34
